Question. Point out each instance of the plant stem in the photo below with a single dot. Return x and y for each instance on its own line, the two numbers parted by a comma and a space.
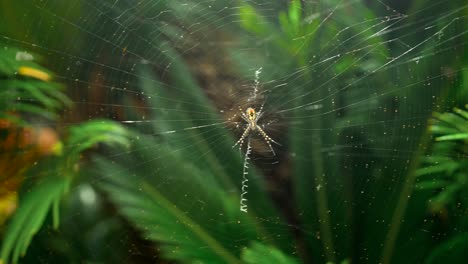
319, 180
405, 194
321, 196
402, 204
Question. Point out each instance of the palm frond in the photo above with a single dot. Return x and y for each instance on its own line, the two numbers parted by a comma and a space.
259, 253
450, 251
156, 189
46, 194
446, 171
158, 186
30, 216
27, 88
160, 219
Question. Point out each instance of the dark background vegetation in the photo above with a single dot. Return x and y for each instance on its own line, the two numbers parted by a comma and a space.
360, 181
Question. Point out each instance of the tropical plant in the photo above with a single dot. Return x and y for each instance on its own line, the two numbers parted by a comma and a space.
187, 204
444, 177
28, 93
350, 102
445, 171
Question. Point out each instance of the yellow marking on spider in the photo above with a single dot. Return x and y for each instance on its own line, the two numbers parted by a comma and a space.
251, 117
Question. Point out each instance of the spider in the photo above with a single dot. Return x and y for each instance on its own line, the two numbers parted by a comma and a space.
251, 117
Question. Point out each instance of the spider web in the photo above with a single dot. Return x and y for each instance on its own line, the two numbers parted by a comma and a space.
178, 71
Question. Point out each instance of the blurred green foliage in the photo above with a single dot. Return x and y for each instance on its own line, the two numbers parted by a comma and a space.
445, 170
168, 215
27, 94
181, 190
26, 87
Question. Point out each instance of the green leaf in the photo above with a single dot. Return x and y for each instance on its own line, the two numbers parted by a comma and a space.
461, 112
284, 22
30, 215
252, 21
435, 184
446, 196
441, 129
21, 94
9, 65
452, 120
295, 13
452, 250
32, 109
259, 253
458, 136
442, 167
162, 220
46, 194
87, 135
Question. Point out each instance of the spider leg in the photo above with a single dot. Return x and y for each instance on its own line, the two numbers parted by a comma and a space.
240, 142
260, 111
259, 114
261, 107
246, 119
242, 114
268, 140
265, 136
231, 119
